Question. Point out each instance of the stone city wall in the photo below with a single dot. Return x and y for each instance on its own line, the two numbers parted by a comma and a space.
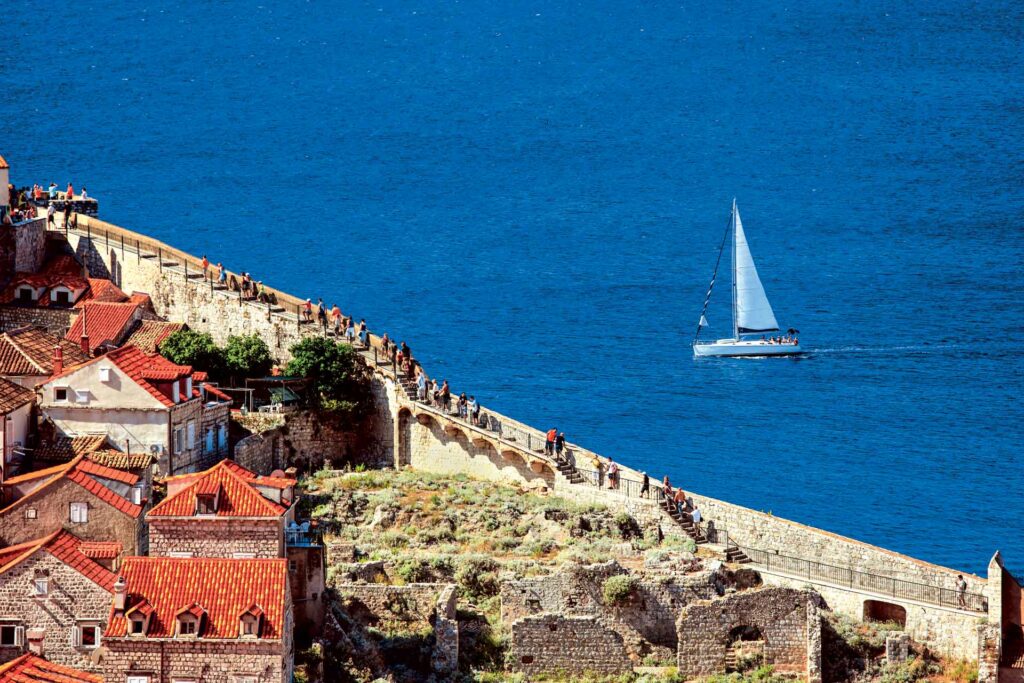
567, 646
786, 620
216, 537
949, 632
429, 446
54, 320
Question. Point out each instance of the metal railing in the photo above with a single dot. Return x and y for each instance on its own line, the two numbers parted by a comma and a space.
875, 583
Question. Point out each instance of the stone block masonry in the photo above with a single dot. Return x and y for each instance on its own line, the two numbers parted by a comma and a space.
567, 646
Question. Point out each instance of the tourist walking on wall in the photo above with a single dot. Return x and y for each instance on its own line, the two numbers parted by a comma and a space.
364, 334
446, 397
321, 314
613, 475
961, 591
421, 386
549, 441
559, 444
474, 410
206, 267
645, 486
67, 214
463, 406
350, 331
51, 211
222, 274
337, 318
307, 311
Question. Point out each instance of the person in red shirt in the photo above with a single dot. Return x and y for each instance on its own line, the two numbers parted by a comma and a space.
549, 445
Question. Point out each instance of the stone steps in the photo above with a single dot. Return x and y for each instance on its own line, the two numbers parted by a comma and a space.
734, 554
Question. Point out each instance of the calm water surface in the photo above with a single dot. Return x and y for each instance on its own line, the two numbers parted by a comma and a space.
532, 195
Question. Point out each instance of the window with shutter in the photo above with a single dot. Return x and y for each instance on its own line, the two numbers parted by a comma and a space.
191, 434
79, 513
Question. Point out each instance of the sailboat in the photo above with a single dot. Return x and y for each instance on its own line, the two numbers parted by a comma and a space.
752, 315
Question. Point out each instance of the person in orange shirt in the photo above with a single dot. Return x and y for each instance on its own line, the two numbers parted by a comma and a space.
549, 445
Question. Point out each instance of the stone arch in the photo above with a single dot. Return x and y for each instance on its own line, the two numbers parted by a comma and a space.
880, 610
745, 633
403, 454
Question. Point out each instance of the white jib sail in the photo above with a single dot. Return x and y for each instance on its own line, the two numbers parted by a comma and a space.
753, 312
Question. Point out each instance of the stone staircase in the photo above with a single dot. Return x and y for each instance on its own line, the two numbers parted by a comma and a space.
570, 473
730, 660
734, 554
685, 523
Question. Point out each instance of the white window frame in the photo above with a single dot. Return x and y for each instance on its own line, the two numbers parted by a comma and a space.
175, 395
32, 295
136, 493
81, 395
82, 514
67, 394
60, 289
179, 440
31, 513
78, 634
105, 374
17, 632
136, 679
191, 431
40, 587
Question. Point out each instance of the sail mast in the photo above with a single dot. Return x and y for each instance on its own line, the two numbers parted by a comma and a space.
735, 327
714, 276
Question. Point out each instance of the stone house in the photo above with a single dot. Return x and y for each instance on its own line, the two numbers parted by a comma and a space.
142, 402
29, 356
103, 325
200, 620
31, 667
228, 511
97, 503
16, 406
54, 600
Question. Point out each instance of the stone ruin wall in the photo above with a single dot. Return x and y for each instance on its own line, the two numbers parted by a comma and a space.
787, 619
567, 645
409, 608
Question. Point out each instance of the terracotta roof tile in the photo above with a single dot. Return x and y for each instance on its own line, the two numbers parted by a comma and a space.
72, 472
224, 588
30, 668
65, 448
148, 334
29, 351
237, 497
122, 461
140, 367
102, 290
97, 470
103, 322
67, 548
14, 396
101, 550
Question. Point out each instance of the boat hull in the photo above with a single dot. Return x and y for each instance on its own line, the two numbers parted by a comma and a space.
744, 349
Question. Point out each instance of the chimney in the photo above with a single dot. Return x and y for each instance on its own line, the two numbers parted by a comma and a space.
58, 360
35, 637
120, 594
84, 341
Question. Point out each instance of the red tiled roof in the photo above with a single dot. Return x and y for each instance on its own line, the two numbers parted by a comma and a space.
67, 548
98, 470
13, 396
237, 498
216, 393
224, 588
141, 368
3, 163
101, 550
102, 290
65, 448
61, 271
122, 461
103, 322
73, 472
30, 668
148, 334
29, 351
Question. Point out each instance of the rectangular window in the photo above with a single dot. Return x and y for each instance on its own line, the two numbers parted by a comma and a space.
137, 494
222, 437
62, 297
10, 635
40, 587
191, 434
104, 374
31, 513
137, 679
87, 635
60, 393
187, 627
79, 513
209, 440
293, 566
81, 396
179, 440
137, 626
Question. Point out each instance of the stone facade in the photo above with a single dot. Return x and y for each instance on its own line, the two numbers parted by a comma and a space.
216, 537
786, 620
54, 320
203, 661
73, 601
52, 510
567, 645
22, 247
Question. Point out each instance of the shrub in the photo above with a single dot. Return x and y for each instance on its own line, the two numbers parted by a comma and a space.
627, 526
413, 570
619, 589
341, 383
962, 671
247, 356
186, 347
477, 576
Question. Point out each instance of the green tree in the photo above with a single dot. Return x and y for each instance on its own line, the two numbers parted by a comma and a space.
247, 356
197, 349
340, 381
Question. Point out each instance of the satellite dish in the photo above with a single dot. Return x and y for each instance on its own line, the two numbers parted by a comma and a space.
278, 474
155, 449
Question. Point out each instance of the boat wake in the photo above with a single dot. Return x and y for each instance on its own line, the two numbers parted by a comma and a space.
913, 348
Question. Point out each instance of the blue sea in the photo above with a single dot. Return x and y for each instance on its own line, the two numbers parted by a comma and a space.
532, 195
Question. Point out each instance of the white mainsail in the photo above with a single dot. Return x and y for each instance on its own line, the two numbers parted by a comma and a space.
753, 312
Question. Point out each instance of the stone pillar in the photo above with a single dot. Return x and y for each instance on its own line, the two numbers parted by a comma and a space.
988, 653
897, 648
813, 642
445, 657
